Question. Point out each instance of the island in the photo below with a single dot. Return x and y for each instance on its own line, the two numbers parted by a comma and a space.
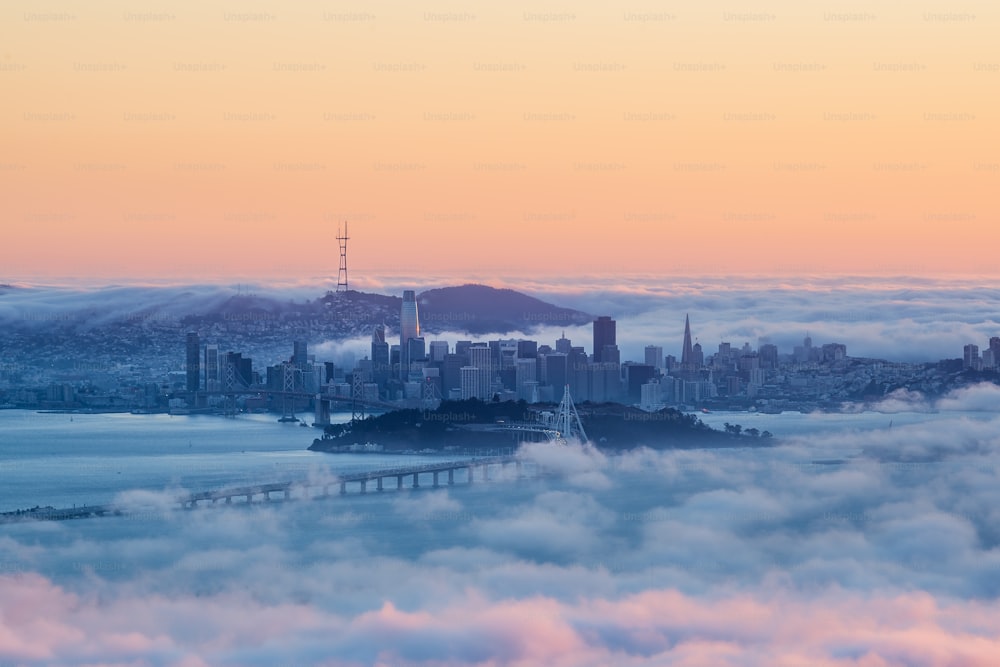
472, 424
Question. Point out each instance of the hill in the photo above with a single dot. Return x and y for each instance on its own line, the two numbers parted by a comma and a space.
480, 309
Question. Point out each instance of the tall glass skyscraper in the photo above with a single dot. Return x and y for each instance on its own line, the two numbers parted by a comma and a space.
193, 349
604, 335
409, 327
380, 356
213, 374
687, 351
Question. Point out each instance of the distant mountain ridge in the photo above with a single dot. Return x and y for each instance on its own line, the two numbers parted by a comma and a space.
481, 309
472, 309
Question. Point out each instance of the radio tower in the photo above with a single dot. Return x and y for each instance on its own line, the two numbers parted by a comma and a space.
342, 274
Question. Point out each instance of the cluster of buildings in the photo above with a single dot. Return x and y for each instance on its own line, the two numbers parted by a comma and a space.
415, 371
520, 369
988, 361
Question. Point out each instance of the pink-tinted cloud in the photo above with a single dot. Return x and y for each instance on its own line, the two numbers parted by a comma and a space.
43, 624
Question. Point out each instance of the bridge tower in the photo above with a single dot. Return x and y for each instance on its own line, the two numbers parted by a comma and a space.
568, 419
431, 398
357, 396
288, 393
229, 383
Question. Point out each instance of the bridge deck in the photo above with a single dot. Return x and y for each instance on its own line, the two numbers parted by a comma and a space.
191, 499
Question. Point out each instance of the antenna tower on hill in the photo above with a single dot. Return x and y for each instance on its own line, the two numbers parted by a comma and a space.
342, 274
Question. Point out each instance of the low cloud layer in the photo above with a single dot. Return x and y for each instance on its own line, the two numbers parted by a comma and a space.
983, 397
655, 627
847, 548
898, 319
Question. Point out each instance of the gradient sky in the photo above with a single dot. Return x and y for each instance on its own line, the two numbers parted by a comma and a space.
185, 142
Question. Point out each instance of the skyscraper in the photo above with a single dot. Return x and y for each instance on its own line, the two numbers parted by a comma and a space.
213, 372
697, 357
654, 356
768, 353
438, 350
994, 353
415, 351
300, 355
380, 356
971, 356
409, 327
555, 373
637, 375
527, 349
451, 372
477, 383
193, 361
525, 378
563, 345
686, 351
604, 334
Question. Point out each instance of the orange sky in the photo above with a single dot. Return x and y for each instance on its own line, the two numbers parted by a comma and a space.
176, 141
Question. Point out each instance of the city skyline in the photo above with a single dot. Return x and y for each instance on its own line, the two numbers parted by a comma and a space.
416, 371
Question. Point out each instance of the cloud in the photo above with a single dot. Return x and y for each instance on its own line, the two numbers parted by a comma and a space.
896, 401
906, 319
982, 397
163, 503
655, 627
832, 548
426, 505
580, 463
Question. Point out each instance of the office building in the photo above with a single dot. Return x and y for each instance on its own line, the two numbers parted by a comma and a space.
971, 356
686, 349
697, 357
416, 356
650, 398
409, 327
611, 356
654, 356
527, 349
833, 352
213, 371
451, 372
768, 353
477, 377
300, 356
636, 375
604, 335
563, 344
381, 362
526, 379
555, 373
193, 366
438, 351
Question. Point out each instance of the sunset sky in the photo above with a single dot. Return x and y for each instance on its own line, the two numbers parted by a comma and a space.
184, 141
